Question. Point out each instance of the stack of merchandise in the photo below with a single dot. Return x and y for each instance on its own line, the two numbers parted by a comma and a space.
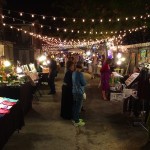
5, 105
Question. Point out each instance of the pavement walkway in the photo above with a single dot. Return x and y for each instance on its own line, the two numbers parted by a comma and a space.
106, 127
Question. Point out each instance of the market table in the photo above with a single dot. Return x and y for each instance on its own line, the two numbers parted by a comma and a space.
23, 93
11, 122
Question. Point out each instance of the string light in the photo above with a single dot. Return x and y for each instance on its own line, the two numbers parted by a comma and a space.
43, 17
33, 24
57, 29
32, 15
93, 20
41, 26
4, 24
134, 18
74, 20
21, 14
65, 30
3, 16
64, 19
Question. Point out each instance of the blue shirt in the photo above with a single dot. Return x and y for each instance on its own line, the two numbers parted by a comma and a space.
78, 82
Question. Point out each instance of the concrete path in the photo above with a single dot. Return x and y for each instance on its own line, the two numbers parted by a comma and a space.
106, 127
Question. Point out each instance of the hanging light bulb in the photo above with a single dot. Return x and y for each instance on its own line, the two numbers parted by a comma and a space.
11, 27
41, 26
134, 18
101, 20
33, 24
64, 19
3, 16
83, 20
109, 20
54, 18
21, 14
72, 31
43, 17
25, 31
57, 29
4, 24
126, 18
32, 15
118, 19
65, 30
74, 20
93, 20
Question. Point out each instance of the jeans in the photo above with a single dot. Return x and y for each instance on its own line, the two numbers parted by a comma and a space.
77, 102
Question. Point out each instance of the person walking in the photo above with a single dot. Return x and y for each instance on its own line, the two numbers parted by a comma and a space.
52, 75
105, 77
67, 96
79, 83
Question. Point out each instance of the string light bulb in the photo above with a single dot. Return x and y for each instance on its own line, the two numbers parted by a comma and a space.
64, 19
21, 14
43, 17
54, 18
3, 16
109, 20
134, 18
118, 19
93, 20
57, 29
74, 20
101, 20
83, 20
41, 26
126, 18
32, 15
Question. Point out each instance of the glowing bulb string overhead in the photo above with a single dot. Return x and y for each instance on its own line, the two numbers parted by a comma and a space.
83, 20
53, 42
65, 30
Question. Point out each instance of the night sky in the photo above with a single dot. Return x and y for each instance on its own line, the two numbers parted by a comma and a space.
84, 9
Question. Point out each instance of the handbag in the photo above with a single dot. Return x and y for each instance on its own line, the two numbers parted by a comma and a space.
84, 96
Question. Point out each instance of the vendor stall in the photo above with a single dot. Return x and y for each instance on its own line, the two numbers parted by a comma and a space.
11, 118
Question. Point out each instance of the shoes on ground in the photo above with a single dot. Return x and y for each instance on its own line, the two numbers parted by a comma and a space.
80, 120
79, 124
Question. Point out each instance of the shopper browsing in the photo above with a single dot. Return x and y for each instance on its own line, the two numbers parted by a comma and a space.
79, 83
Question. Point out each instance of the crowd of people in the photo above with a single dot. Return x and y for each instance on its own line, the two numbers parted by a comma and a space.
73, 89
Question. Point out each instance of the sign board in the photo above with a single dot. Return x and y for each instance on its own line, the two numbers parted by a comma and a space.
131, 78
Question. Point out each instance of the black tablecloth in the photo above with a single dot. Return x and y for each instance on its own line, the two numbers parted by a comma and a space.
23, 93
10, 123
